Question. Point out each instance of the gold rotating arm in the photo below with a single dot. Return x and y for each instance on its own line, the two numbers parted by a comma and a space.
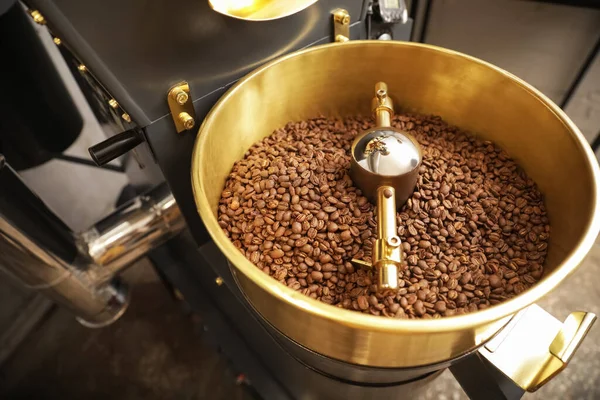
387, 254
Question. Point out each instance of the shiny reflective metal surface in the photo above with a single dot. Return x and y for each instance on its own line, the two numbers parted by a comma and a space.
38, 250
470, 93
384, 155
385, 166
132, 231
387, 152
259, 10
542, 345
79, 271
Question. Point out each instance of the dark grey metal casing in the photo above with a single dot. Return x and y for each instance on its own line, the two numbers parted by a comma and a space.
139, 49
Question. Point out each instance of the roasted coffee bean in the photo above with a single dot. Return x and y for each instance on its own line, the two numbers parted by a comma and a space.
277, 253
495, 281
317, 276
474, 232
363, 303
419, 308
346, 235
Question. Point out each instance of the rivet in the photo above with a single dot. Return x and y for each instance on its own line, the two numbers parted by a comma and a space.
38, 17
126, 117
219, 281
57, 41
113, 103
82, 68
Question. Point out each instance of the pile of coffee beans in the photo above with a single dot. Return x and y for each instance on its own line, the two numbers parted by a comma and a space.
474, 233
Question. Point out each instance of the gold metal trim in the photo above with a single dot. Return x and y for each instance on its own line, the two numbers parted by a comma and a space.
341, 25
182, 109
428, 83
536, 346
259, 10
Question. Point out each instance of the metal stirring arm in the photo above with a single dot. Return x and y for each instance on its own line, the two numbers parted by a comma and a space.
387, 254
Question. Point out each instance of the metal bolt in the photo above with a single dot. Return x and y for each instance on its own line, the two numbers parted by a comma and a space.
219, 281
126, 117
38, 17
181, 97
57, 41
187, 120
82, 68
113, 103
341, 16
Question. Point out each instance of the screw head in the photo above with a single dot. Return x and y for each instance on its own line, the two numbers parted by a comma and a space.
82, 68
181, 97
113, 103
57, 41
219, 281
126, 117
187, 120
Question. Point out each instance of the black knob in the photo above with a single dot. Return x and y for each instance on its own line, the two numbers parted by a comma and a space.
116, 146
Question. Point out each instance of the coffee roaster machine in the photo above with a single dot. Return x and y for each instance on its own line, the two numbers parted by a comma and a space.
151, 71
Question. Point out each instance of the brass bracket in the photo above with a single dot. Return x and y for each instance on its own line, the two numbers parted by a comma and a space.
182, 109
534, 346
341, 25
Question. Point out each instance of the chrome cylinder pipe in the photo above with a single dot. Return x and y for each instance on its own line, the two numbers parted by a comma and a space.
79, 272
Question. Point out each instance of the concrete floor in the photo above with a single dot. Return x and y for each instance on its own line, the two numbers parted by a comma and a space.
156, 352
